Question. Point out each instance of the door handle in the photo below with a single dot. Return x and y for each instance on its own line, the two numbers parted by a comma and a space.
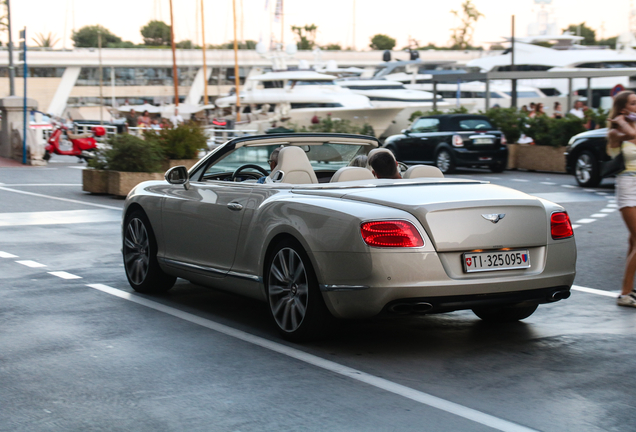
235, 206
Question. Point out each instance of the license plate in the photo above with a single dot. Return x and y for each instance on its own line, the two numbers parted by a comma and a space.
496, 260
482, 141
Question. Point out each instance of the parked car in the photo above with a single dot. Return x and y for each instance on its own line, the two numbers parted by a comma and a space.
320, 240
584, 155
449, 141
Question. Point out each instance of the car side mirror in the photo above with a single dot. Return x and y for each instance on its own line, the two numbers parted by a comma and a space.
405, 131
178, 176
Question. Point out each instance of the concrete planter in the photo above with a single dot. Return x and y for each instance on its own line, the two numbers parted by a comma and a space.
121, 183
536, 158
95, 181
188, 163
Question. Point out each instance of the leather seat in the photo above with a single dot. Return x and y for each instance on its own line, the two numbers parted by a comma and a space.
351, 173
78, 136
293, 167
421, 171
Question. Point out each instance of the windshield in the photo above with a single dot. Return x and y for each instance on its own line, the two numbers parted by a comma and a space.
317, 82
322, 157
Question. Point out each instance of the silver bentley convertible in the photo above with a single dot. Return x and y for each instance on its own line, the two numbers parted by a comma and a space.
318, 240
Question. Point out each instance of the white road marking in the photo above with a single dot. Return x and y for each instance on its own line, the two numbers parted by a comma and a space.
41, 184
613, 294
372, 380
608, 210
575, 226
59, 217
65, 275
7, 255
521, 180
59, 199
568, 186
589, 190
613, 205
601, 193
548, 183
585, 221
30, 263
77, 167
599, 215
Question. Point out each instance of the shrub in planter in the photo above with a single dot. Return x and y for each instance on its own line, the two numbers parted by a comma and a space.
129, 153
183, 142
509, 121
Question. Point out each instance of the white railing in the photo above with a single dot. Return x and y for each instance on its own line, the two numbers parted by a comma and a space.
218, 135
84, 128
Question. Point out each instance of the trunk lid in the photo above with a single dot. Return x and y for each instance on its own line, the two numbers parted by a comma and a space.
451, 212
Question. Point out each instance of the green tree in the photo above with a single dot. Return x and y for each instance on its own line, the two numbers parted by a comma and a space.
86, 37
382, 42
332, 47
611, 42
588, 34
156, 33
306, 36
462, 36
47, 41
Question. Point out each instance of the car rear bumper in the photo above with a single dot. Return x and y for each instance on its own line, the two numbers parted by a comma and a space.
364, 285
468, 157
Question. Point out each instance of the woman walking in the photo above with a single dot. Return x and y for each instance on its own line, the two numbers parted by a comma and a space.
621, 138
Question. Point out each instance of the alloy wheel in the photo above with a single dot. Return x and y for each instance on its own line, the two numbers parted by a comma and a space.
584, 166
136, 250
288, 289
443, 161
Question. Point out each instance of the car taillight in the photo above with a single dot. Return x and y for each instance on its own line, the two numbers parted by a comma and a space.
504, 141
394, 233
458, 141
560, 226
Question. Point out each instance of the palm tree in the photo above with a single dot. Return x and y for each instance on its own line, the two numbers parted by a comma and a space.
47, 41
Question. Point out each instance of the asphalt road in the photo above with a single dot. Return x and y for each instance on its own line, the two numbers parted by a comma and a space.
79, 350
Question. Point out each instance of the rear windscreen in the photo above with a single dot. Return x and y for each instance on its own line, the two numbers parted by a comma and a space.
474, 124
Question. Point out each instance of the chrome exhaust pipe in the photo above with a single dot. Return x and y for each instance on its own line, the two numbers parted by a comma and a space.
401, 308
422, 307
559, 295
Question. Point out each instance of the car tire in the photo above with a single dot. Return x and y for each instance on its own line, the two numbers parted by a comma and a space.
586, 169
504, 314
444, 161
295, 303
498, 167
140, 256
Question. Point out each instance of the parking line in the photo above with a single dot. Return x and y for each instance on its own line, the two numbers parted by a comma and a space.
58, 198
585, 221
568, 186
610, 209
548, 183
604, 293
7, 255
521, 180
65, 275
575, 226
31, 264
599, 215
372, 380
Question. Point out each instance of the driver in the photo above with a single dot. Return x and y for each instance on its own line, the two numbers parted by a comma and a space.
272, 161
384, 165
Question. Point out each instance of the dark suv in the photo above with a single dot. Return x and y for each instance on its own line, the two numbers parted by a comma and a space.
584, 155
449, 141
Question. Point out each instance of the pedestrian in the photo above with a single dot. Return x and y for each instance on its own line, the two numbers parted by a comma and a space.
578, 110
176, 119
558, 111
621, 139
524, 109
144, 120
131, 118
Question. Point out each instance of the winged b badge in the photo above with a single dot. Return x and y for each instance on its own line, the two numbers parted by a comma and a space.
494, 217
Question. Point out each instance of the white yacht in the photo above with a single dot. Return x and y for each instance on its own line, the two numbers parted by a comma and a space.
564, 57
385, 93
307, 94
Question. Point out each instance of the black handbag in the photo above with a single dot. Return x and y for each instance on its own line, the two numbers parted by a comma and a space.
613, 166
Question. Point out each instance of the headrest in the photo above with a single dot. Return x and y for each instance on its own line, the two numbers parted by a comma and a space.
293, 167
419, 171
351, 173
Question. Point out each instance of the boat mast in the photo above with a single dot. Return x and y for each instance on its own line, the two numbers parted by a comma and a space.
282, 25
205, 67
175, 76
101, 94
236, 68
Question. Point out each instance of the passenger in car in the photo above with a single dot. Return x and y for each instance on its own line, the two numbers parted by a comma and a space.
384, 165
272, 161
359, 161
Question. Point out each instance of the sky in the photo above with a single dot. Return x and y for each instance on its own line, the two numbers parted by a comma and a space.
424, 20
